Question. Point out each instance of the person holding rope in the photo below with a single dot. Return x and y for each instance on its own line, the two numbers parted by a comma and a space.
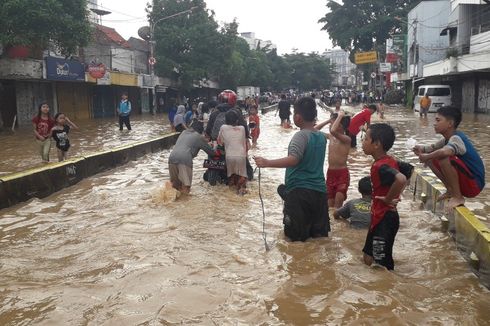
304, 192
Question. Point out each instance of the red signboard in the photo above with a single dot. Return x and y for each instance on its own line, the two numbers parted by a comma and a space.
96, 70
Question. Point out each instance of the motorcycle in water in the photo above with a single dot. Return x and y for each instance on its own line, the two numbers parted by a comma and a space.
216, 167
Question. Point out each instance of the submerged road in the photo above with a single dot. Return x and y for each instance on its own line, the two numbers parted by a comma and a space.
110, 250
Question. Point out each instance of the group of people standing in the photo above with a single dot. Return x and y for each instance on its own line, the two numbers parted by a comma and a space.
221, 129
307, 195
225, 132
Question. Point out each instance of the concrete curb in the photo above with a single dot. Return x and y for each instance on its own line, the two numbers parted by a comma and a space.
471, 235
269, 108
42, 181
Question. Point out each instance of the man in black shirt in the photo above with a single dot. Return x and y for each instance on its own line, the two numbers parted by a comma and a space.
284, 108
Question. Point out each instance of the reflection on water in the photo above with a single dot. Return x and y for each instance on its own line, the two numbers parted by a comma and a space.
106, 252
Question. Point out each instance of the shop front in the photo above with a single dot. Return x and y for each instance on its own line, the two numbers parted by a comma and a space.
72, 93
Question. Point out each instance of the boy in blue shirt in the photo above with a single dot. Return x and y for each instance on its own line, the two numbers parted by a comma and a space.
124, 110
305, 198
453, 159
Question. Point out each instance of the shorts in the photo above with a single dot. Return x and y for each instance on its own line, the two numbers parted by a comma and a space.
380, 240
467, 182
284, 116
338, 180
305, 214
424, 111
180, 174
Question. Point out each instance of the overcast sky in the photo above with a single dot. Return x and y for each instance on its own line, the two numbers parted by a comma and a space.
288, 24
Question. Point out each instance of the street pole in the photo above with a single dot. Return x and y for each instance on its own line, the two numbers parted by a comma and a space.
152, 71
414, 59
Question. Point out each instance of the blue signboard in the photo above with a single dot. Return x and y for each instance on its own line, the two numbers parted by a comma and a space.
61, 69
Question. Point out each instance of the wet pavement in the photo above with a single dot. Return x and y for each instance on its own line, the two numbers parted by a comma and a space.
110, 250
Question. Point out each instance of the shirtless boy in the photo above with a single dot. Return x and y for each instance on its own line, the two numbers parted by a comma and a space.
338, 177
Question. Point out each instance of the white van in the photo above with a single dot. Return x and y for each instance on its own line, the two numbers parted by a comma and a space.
440, 95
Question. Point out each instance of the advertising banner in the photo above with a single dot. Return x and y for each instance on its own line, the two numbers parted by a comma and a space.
61, 69
96, 70
396, 52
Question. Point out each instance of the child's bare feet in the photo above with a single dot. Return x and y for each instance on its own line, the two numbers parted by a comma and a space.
455, 202
444, 196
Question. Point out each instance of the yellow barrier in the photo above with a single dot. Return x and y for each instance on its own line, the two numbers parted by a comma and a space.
471, 235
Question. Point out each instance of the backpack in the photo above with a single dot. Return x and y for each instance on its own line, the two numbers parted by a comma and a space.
220, 120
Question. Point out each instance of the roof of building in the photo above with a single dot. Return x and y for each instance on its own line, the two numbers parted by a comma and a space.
112, 36
139, 44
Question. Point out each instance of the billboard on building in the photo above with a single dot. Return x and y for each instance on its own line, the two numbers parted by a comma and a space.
396, 52
61, 69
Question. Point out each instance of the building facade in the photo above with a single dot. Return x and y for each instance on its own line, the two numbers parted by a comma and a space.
254, 43
425, 44
344, 69
466, 66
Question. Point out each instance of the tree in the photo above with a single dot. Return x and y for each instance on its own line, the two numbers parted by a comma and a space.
281, 71
186, 45
309, 71
359, 25
193, 47
36, 23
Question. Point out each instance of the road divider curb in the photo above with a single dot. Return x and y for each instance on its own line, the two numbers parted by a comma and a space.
42, 181
269, 108
471, 235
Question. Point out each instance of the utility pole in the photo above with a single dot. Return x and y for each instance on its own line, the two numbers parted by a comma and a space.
415, 63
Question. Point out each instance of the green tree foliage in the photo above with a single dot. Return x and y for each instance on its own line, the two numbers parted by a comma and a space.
185, 44
359, 25
36, 23
281, 71
309, 71
191, 47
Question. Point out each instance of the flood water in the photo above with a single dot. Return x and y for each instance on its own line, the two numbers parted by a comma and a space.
19, 150
109, 251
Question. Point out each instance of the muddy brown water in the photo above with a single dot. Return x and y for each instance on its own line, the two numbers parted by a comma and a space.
109, 251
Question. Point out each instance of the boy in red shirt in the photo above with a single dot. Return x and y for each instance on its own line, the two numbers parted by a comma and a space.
388, 183
359, 120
